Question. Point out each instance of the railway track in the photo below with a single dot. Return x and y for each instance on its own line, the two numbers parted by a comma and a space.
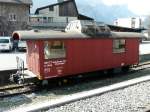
75, 97
65, 100
14, 90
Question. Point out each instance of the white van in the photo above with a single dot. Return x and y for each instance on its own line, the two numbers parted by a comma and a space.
6, 44
22, 45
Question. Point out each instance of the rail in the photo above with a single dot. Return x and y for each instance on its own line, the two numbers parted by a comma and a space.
20, 64
90, 93
17, 90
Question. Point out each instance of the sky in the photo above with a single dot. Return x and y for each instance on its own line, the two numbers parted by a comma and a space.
40, 3
106, 11
139, 7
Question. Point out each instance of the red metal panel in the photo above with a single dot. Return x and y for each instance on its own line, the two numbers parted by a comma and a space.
90, 55
85, 55
132, 55
33, 56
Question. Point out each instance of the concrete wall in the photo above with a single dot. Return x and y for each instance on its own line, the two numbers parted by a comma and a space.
21, 13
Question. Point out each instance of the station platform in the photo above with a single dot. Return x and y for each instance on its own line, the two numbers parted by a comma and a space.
8, 61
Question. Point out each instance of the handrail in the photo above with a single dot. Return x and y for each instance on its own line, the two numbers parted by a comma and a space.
20, 66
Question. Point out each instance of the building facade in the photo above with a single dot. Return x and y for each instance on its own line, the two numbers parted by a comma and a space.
134, 22
56, 15
14, 15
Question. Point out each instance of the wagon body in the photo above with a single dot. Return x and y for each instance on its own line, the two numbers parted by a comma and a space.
79, 56
78, 50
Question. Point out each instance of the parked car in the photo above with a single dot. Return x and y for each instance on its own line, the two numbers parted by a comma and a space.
22, 45
6, 44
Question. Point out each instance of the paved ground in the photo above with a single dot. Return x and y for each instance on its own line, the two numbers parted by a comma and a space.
8, 60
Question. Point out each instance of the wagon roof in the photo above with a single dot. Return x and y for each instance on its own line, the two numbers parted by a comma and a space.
50, 34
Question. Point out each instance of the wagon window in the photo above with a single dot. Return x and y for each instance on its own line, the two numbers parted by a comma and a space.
119, 45
54, 49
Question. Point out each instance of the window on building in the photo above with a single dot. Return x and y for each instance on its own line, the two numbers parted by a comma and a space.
12, 17
133, 21
50, 19
45, 19
119, 45
51, 8
38, 20
54, 49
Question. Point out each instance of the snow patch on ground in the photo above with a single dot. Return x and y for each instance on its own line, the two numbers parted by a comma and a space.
8, 60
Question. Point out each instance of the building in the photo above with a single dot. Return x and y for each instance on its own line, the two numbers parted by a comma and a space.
14, 15
134, 22
56, 15
124, 29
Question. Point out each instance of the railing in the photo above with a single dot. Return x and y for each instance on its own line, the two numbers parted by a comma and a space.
48, 24
20, 68
20, 64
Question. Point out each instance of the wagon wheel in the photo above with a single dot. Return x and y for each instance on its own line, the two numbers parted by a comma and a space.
42, 83
110, 71
125, 69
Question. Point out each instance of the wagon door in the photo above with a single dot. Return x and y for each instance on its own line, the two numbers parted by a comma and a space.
119, 52
54, 54
33, 57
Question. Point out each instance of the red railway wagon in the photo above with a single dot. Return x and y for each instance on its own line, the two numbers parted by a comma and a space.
57, 53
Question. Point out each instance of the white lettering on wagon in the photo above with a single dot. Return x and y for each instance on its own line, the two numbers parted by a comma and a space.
47, 70
57, 64
60, 62
59, 70
47, 64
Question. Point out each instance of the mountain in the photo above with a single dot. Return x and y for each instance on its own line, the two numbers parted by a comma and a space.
104, 13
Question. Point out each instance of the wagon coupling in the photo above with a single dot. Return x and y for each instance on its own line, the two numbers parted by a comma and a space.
18, 77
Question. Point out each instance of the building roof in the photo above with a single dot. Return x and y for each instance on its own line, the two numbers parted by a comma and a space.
80, 16
27, 2
83, 17
60, 3
124, 29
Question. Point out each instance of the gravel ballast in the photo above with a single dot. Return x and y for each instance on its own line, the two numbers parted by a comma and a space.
105, 101
131, 99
